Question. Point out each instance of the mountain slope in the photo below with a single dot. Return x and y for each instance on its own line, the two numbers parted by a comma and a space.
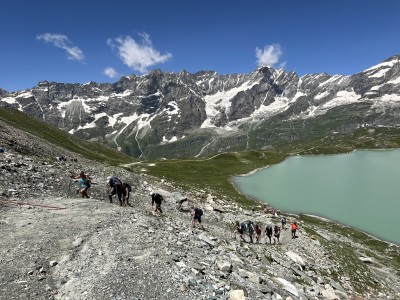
26, 135
185, 115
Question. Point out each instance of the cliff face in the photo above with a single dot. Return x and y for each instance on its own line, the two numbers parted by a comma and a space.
169, 115
57, 246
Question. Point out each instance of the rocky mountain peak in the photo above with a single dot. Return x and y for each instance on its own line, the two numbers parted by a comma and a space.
154, 113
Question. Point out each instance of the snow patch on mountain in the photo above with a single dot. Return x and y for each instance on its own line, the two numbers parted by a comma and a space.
385, 64
342, 98
25, 95
167, 141
222, 101
112, 120
9, 100
394, 81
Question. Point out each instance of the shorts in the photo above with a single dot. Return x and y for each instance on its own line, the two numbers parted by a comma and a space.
198, 218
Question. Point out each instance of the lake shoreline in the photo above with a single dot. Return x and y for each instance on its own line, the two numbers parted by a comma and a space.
284, 190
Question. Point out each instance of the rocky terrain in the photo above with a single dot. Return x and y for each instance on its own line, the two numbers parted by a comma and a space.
56, 245
185, 115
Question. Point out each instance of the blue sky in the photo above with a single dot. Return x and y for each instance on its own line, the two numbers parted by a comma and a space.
81, 41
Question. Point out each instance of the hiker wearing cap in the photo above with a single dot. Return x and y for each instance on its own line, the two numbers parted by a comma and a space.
85, 181
115, 189
156, 198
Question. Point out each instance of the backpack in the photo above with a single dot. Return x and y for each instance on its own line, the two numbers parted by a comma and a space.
277, 229
243, 226
268, 229
115, 181
250, 225
200, 212
158, 198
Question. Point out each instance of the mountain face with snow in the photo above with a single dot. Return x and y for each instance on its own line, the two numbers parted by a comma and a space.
190, 115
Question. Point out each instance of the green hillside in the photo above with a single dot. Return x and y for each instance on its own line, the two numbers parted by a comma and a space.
55, 136
212, 173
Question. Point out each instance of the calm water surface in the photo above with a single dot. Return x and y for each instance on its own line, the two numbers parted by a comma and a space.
360, 189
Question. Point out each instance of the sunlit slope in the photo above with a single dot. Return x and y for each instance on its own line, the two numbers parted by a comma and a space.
213, 172
55, 136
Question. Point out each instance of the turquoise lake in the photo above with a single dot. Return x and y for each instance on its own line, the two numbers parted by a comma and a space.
359, 189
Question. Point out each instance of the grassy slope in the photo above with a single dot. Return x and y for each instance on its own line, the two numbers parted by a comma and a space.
347, 253
213, 173
55, 136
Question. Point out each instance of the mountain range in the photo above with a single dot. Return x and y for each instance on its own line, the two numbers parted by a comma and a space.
167, 115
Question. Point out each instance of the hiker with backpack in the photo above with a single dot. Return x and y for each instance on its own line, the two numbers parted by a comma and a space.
268, 232
238, 230
126, 191
156, 198
257, 229
250, 228
85, 182
283, 221
115, 185
196, 216
294, 229
277, 233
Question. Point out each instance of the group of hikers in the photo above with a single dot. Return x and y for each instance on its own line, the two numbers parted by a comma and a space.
195, 212
255, 230
122, 190
115, 187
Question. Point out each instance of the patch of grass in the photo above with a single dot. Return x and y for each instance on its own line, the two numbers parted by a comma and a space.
347, 254
55, 136
213, 173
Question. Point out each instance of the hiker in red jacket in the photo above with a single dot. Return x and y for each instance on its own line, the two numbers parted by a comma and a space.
294, 228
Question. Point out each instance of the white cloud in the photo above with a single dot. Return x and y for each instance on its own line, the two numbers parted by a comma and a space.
269, 56
62, 41
138, 56
110, 72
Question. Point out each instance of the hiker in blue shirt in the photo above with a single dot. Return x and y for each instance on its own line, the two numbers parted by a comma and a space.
85, 181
